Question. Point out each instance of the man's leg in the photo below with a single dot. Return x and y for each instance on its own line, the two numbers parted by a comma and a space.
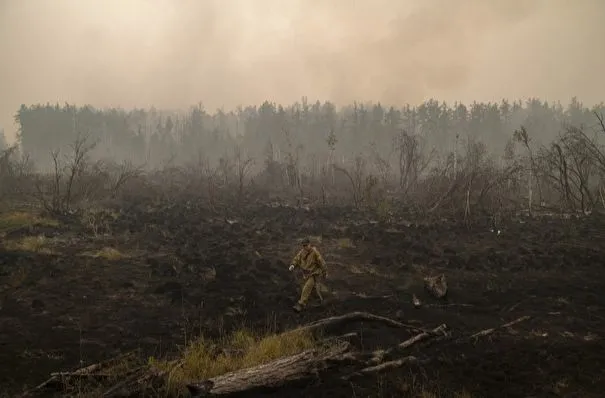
318, 289
306, 293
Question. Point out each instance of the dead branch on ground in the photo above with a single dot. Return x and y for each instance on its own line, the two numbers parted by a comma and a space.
486, 332
397, 363
379, 356
355, 317
61, 378
439, 332
329, 355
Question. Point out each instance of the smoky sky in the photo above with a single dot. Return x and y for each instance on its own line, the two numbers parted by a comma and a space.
223, 53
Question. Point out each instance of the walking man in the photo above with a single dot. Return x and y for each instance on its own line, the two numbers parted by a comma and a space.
314, 268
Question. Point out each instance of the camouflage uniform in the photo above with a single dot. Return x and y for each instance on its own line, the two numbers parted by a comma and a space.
314, 267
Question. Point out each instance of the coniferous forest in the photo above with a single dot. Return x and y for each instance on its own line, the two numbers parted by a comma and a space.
152, 136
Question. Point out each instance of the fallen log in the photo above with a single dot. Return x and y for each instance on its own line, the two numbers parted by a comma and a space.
273, 374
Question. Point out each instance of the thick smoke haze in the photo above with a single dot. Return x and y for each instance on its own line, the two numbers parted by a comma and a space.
175, 53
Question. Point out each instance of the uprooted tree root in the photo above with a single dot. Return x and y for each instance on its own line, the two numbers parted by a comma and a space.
331, 352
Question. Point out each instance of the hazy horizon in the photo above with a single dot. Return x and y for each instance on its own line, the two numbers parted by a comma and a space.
172, 54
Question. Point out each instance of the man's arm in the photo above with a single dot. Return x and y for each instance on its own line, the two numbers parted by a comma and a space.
322, 263
296, 260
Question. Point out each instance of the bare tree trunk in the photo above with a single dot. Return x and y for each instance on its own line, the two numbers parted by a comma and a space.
530, 192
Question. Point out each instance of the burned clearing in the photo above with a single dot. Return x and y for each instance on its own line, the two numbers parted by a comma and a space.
182, 272
172, 279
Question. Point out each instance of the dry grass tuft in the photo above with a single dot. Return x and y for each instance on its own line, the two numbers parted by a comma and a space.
204, 359
109, 253
19, 219
345, 243
35, 244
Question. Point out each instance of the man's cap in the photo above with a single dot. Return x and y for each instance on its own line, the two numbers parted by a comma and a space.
306, 241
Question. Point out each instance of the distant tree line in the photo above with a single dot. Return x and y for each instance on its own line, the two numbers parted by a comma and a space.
154, 137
